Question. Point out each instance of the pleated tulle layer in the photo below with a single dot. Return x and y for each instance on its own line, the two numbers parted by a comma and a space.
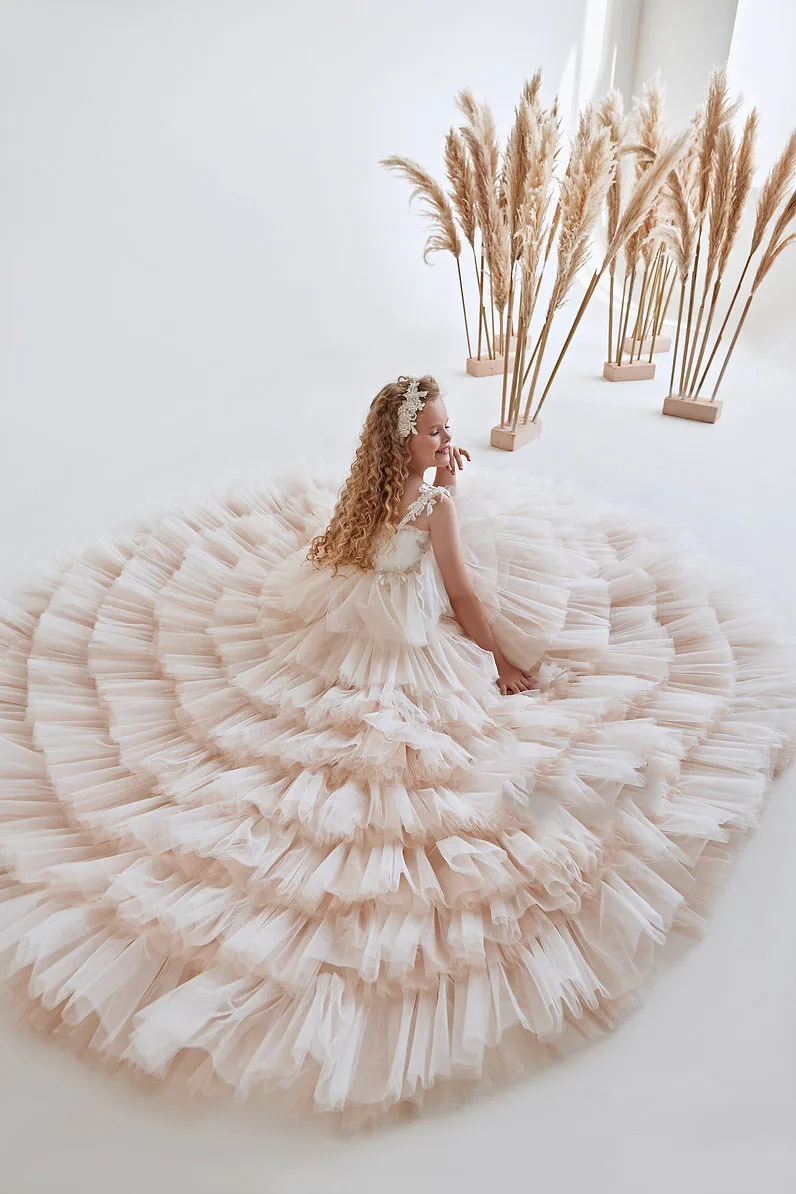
273, 832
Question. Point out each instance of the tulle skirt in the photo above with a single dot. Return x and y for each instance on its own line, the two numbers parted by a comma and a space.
266, 831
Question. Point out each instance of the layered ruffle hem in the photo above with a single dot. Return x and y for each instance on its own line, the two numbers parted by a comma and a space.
270, 832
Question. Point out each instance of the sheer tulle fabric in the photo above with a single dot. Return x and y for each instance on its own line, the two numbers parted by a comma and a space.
266, 831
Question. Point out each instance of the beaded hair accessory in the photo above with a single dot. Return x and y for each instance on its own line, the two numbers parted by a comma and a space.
408, 410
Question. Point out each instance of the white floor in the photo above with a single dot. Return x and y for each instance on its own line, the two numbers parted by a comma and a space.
695, 1093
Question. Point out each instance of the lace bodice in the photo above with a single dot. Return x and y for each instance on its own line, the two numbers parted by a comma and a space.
401, 549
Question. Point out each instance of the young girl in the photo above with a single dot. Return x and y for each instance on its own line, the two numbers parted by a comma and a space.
406, 433
354, 794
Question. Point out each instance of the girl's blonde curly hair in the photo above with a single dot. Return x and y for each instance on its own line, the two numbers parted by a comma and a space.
371, 495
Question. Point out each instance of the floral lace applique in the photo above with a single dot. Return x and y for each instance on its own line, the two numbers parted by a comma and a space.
419, 542
423, 503
388, 575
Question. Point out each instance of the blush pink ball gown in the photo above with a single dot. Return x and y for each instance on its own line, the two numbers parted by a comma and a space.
268, 831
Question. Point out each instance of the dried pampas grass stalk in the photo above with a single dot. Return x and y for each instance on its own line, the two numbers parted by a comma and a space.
462, 189
647, 280
717, 112
467, 105
648, 305
719, 202
610, 113
554, 223
648, 135
632, 252
641, 137
521, 149
476, 199
742, 172
521, 154
771, 196
656, 296
551, 137
654, 331
582, 196
636, 248
644, 194
530, 93
679, 236
499, 263
647, 298
462, 183
629, 236
533, 231
493, 201
669, 284
480, 136
781, 237
444, 236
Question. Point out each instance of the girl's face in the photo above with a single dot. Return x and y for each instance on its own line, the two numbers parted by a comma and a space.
427, 449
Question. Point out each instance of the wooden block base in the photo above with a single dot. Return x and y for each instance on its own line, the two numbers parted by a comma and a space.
702, 410
638, 371
503, 437
662, 344
485, 367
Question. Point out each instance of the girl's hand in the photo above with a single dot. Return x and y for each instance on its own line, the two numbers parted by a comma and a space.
512, 679
454, 459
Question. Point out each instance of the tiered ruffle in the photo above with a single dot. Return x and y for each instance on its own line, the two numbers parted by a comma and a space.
266, 830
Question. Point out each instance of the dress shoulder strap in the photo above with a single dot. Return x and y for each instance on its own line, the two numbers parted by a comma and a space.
423, 503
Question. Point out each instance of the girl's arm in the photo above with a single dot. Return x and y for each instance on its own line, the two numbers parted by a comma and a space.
465, 603
445, 478
446, 474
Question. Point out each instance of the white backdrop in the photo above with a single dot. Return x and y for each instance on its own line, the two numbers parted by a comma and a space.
205, 273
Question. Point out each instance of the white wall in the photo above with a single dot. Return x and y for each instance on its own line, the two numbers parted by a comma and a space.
685, 40
761, 66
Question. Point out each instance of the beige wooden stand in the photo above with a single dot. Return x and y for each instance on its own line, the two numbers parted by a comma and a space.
662, 344
485, 367
638, 371
503, 437
512, 343
700, 409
